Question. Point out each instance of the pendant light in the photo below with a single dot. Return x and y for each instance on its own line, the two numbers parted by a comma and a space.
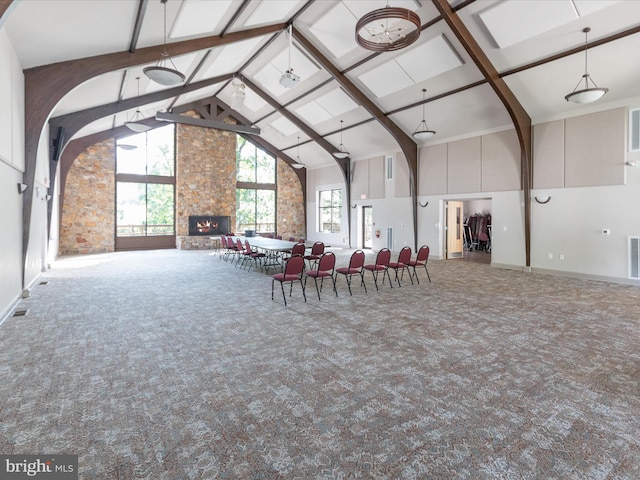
388, 29
298, 163
288, 78
422, 131
342, 151
587, 94
161, 73
135, 122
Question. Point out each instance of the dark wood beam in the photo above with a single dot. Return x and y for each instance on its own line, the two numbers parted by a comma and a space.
239, 10
137, 27
206, 123
4, 8
519, 116
407, 145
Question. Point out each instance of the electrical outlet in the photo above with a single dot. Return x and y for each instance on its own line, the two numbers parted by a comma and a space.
561, 256
550, 256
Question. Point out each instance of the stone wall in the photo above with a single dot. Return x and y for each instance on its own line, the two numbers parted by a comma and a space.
290, 208
205, 174
88, 212
205, 185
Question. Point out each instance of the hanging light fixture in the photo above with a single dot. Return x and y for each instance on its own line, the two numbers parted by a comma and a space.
135, 122
587, 94
298, 163
288, 78
388, 29
342, 151
161, 73
422, 131
237, 99
126, 146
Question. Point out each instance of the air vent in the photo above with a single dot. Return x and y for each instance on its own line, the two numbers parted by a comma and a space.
634, 257
389, 168
20, 313
390, 238
46, 282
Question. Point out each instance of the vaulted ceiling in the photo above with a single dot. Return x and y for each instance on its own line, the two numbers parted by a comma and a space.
536, 48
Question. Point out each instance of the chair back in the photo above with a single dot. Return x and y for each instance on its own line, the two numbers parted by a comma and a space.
238, 244
423, 254
327, 262
357, 260
384, 257
317, 248
247, 247
301, 240
294, 266
223, 241
405, 255
298, 249
292, 239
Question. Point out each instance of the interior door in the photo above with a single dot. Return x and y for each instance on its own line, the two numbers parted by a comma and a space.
367, 227
455, 222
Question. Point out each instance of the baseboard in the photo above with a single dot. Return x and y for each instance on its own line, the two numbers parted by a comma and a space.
587, 276
9, 311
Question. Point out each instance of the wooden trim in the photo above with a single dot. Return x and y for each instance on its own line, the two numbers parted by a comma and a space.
206, 123
256, 186
5, 7
136, 178
137, 27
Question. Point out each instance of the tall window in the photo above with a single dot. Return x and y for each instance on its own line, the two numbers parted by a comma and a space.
330, 210
145, 183
255, 188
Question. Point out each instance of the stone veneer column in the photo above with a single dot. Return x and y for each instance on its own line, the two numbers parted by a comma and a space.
205, 174
291, 220
88, 215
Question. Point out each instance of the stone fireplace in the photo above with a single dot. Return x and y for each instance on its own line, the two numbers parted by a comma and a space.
208, 225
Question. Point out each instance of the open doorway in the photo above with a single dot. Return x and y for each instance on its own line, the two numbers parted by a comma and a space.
367, 227
468, 230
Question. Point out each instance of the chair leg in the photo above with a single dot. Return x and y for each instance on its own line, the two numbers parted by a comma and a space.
348, 277
283, 295
428, 276
375, 278
362, 281
316, 282
415, 274
303, 292
388, 276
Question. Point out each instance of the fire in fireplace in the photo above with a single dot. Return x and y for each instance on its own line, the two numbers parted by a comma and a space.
208, 225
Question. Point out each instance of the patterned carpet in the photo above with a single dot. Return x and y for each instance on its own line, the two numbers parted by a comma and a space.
176, 365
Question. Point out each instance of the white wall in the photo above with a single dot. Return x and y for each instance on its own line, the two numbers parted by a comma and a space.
11, 173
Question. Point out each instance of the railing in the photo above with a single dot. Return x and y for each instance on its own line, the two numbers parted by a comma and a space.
144, 230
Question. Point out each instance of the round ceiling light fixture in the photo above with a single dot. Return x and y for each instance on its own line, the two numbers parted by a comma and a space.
388, 29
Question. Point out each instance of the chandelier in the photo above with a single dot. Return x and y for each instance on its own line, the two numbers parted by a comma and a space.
388, 29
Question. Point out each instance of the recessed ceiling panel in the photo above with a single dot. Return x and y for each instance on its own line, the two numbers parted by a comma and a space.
385, 79
230, 57
302, 66
429, 59
336, 102
284, 126
253, 101
269, 77
198, 17
312, 113
514, 21
335, 30
585, 7
271, 11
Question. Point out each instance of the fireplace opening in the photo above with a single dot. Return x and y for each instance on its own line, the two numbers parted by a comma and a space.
209, 225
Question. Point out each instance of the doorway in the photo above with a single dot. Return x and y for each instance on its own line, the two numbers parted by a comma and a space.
367, 227
454, 230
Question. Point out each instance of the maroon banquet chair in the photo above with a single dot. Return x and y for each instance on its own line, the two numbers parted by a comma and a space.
356, 264
404, 257
292, 273
421, 261
316, 252
253, 254
326, 267
381, 265
297, 249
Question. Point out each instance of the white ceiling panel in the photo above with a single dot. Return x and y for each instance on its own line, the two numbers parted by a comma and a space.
229, 59
284, 126
253, 101
586, 7
385, 79
271, 11
84, 96
429, 59
336, 102
359, 8
198, 17
511, 22
302, 66
269, 78
335, 30
312, 113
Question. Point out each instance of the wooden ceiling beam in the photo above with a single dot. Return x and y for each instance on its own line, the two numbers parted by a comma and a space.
520, 118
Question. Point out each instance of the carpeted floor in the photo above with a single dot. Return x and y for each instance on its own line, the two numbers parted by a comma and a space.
176, 365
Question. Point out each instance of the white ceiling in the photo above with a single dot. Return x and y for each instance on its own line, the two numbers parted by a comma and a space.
512, 33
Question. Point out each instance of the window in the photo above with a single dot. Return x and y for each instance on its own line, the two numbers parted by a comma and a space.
255, 188
330, 211
634, 130
145, 184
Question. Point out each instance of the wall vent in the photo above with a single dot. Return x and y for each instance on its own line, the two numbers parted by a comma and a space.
634, 257
634, 130
389, 168
21, 313
390, 238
